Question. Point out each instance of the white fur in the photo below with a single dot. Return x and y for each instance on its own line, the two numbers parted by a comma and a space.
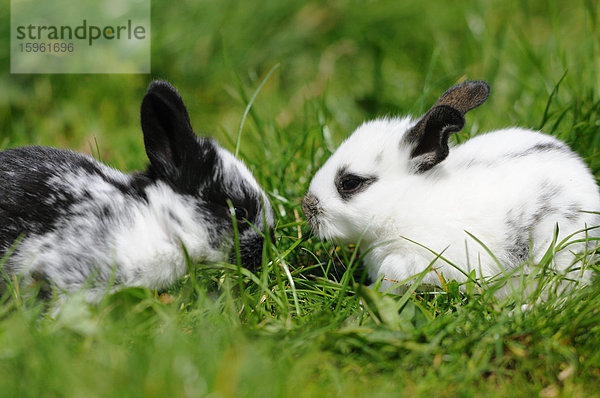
483, 187
84, 224
239, 171
150, 247
145, 240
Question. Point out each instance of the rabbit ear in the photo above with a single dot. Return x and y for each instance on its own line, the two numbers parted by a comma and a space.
429, 136
168, 135
465, 96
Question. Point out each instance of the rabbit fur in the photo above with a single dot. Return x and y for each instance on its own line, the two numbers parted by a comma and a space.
75, 222
396, 186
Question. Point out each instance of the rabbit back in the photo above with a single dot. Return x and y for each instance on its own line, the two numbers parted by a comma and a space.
509, 189
63, 206
81, 222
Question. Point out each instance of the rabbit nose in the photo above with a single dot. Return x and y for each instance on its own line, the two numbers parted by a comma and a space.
309, 201
310, 207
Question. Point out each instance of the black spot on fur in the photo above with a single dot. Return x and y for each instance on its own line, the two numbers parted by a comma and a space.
30, 201
106, 211
521, 224
174, 217
546, 202
546, 147
519, 232
519, 251
573, 212
93, 168
540, 148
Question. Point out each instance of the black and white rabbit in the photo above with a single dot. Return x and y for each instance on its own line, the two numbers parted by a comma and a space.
396, 184
79, 223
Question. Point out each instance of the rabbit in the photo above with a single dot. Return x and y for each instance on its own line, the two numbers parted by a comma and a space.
397, 187
75, 223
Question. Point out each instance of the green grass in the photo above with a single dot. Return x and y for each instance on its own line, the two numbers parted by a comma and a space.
222, 333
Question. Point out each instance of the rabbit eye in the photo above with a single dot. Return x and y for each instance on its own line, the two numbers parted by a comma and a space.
350, 184
241, 213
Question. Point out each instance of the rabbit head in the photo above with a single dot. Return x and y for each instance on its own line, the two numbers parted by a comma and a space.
351, 195
198, 168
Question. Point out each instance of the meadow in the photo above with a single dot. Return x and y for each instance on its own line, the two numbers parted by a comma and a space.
309, 72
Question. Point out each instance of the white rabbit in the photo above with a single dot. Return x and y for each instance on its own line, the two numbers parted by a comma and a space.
79, 223
395, 184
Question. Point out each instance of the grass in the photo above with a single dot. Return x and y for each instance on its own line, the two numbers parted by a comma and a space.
285, 82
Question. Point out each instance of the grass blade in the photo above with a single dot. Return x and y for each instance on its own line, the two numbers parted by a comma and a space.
249, 106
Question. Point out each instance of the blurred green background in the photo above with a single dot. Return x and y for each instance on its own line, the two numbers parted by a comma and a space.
340, 62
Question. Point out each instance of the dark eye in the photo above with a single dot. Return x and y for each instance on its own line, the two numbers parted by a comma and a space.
350, 184
241, 213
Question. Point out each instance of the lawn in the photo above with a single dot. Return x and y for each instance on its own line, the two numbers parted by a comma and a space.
316, 70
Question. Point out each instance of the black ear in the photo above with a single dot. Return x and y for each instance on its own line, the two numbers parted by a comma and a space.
428, 138
168, 134
465, 96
